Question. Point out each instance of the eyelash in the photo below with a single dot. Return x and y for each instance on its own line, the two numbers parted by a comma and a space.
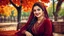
37, 9
34, 10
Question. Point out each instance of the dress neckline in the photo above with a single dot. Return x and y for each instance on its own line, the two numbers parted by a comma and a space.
37, 26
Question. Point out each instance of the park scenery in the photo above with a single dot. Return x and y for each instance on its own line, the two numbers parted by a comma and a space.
15, 13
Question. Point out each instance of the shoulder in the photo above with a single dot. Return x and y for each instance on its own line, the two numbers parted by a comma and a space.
47, 20
48, 23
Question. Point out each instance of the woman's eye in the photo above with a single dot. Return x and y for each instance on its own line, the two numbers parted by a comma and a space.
34, 10
38, 9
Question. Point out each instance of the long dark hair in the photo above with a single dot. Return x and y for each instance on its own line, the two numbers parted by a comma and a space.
33, 19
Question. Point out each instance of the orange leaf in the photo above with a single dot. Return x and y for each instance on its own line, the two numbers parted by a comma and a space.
46, 1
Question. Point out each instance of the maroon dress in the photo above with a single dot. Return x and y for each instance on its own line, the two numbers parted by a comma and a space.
44, 28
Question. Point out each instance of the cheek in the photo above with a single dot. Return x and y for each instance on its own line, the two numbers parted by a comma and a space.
42, 13
34, 13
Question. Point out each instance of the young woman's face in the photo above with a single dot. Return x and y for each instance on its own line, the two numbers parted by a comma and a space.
38, 12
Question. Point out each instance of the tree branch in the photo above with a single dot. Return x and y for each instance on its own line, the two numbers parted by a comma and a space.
58, 6
12, 3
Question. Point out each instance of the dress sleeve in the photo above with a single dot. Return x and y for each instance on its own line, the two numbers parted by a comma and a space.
22, 30
48, 28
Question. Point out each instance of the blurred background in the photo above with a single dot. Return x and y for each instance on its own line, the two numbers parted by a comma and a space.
15, 13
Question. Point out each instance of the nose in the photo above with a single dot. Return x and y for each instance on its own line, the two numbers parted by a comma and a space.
36, 12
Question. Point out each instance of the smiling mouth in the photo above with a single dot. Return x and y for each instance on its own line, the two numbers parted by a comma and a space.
37, 14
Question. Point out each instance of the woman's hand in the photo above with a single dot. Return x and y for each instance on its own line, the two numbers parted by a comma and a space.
28, 33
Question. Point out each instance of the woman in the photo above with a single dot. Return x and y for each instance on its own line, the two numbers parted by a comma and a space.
38, 23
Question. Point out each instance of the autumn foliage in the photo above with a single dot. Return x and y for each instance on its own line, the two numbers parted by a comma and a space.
4, 2
26, 4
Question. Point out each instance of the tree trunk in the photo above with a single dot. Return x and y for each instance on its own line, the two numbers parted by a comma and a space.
19, 17
57, 9
19, 13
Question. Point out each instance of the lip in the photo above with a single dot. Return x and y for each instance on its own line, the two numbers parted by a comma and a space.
37, 14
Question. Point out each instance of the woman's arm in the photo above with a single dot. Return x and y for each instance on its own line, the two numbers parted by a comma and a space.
28, 33
48, 28
23, 31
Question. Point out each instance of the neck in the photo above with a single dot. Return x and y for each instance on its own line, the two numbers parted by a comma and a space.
40, 18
